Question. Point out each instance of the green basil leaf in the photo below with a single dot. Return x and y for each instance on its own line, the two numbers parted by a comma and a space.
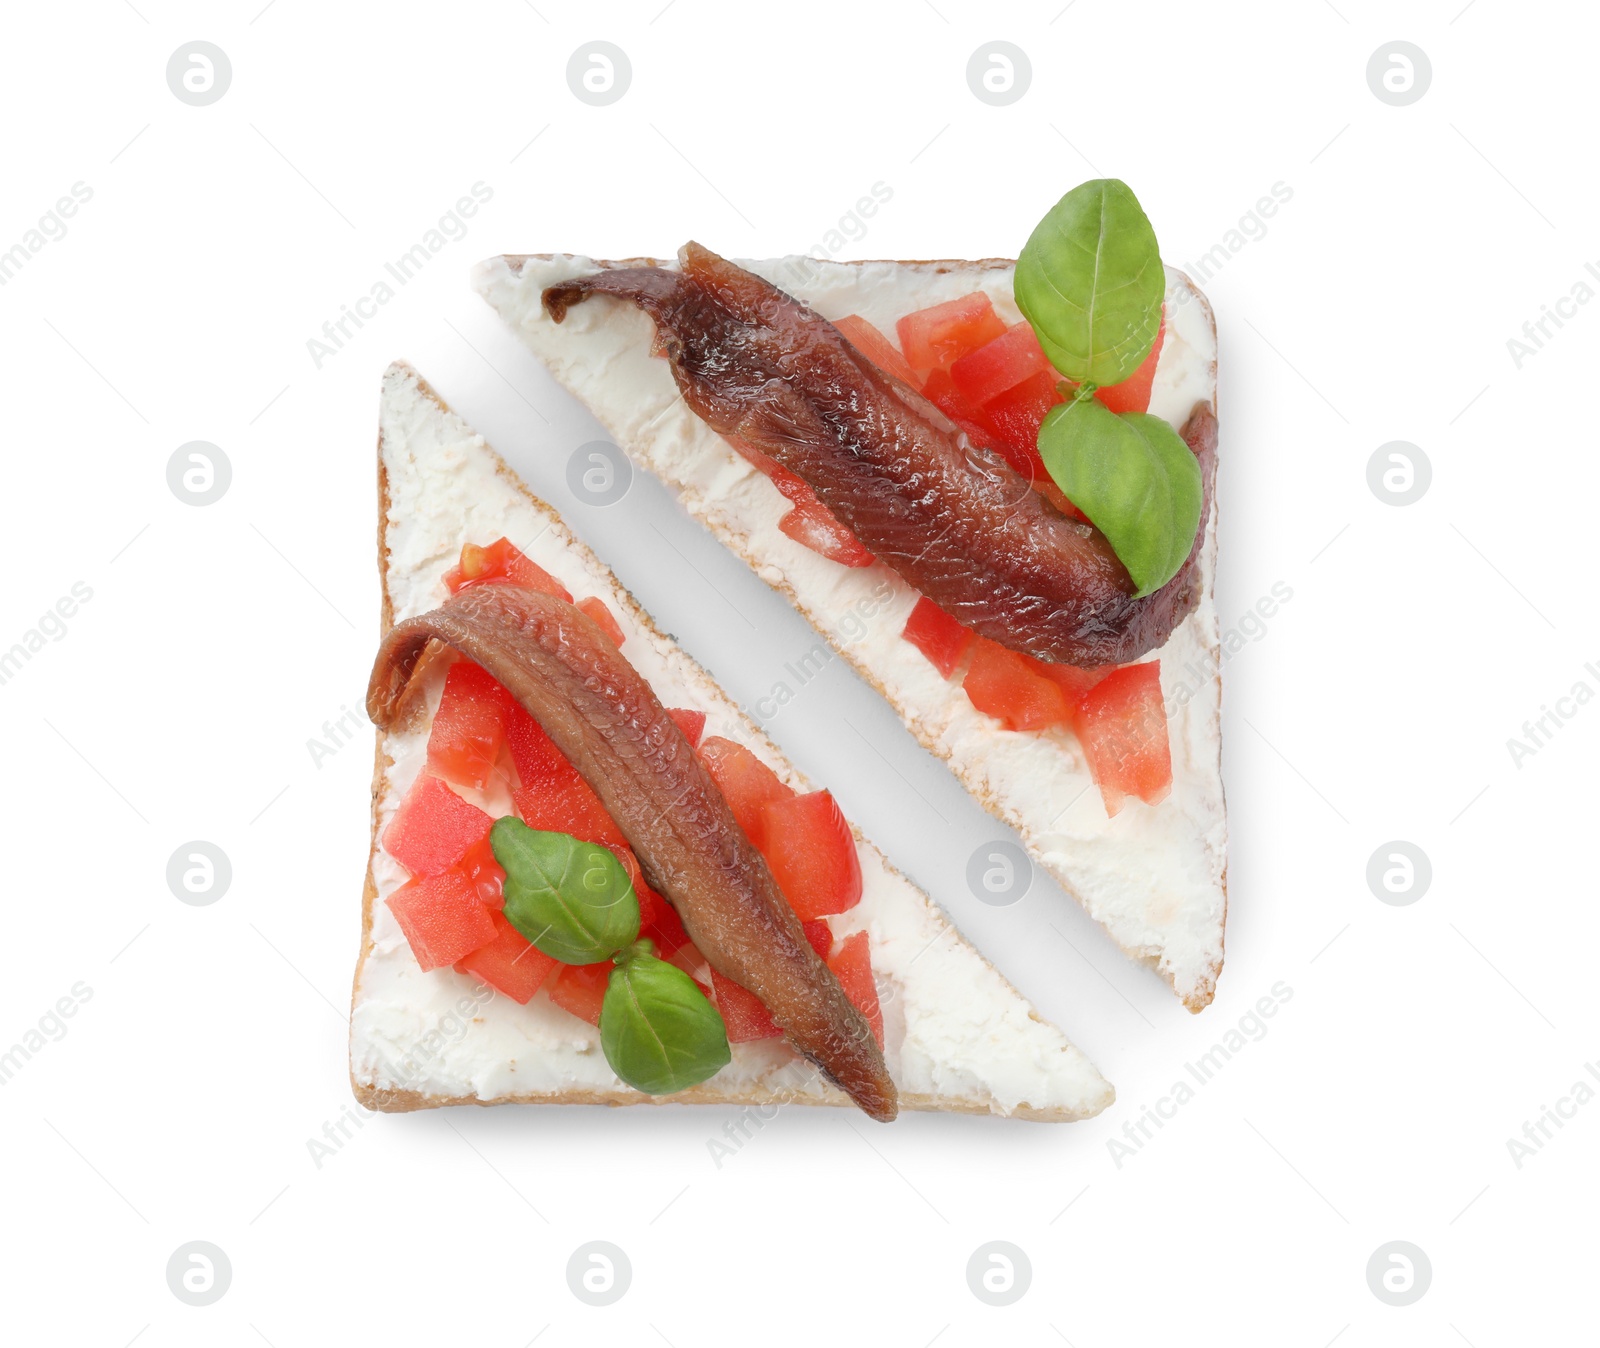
1090, 280
571, 899
1135, 479
659, 1032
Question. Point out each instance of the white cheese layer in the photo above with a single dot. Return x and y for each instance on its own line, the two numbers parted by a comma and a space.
958, 1035
1153, 876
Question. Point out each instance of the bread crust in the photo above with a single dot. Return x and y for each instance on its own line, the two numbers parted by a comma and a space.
389, 1100
1201, 996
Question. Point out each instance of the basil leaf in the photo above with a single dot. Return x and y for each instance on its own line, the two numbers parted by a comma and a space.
1090, 281
1135, 479
571, 899
659, 1032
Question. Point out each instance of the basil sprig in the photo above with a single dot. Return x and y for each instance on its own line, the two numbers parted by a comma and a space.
659, 1032
574, 901
1136, 474
1090, 282
571, 899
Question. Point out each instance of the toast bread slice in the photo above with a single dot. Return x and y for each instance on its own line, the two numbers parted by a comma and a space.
1154, 876
959, 1037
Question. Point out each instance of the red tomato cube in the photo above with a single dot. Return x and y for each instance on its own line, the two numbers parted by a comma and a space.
581, 988
742, 1012
876, 347
1133, 393
933, 338
538, 762
692, 723
510, 963
852, 966
941, 391
938, 636
747, 782
1122, 726
567, 807
469, 727
596, 609
501, 563
820, 934
442, 918
813, 525
808, 843
1007, 685
485, 874
433, 828
1073, 682
1002, 364
1016, 416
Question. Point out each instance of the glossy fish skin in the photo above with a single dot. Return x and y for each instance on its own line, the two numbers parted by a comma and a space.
571, 678
954, 520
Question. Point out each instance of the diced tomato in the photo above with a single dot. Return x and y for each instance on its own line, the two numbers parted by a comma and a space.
1074, 683
809, 522
581, 989
820, 934
692, 723
469, 727
501, 563
938, 636
442, 918
1122, 726
933, 338
748, 783
1133, 393
852, 966
876, 347
941, 391
1016, 415
813, 525
567, 807
433, 828
1002, 364
485, 874
509, 963
742, 1012
1005, 684
808, 843
596, 609
538, 762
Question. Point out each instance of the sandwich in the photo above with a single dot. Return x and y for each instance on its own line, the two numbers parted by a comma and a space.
593, 880
1023, 452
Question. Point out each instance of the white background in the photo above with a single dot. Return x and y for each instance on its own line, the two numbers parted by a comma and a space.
178, 704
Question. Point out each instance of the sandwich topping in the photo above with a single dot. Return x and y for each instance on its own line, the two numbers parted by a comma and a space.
669, 862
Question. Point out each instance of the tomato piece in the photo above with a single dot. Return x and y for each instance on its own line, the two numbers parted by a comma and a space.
581, 988
484, 873
941, 391
469, 727
1013, 356
1074, 683
852, 966
742, 1012
938, 636
433, 828
501, 563
820, 934
876, 347
442, 918
809, 523
538, 762
933, 338
1016, 416
1005, 684
808, 843
1133, 393
1122, 726
510, 963
692, 723
567, 807
813, 525
596, 609
748, 784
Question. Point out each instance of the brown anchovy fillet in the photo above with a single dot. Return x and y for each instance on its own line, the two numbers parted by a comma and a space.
570, 677
953, 519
